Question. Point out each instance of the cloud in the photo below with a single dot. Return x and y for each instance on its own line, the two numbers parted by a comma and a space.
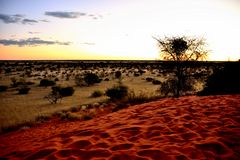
29, 21
88, 43
31, 42
11, 18
33, 32
16, 19
61, 14
44, 20
95, 16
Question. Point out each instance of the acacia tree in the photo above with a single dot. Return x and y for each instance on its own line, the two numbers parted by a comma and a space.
180, 50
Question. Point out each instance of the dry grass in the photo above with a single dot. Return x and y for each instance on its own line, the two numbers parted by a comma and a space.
19, 109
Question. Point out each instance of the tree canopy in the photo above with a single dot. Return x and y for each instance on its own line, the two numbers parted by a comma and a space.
182, 48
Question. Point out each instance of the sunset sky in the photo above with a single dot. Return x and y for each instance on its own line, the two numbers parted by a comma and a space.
114, 29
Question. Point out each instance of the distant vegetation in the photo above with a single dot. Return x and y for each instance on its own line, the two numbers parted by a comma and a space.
118, 74
64, 91
91, 78
3, 88
58, 93
96, 93
77, 86
117, 92
23, 90
87, 79
46, 82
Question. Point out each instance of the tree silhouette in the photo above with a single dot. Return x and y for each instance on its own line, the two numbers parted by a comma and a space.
180, 50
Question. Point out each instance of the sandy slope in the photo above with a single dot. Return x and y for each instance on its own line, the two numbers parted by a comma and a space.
185, 128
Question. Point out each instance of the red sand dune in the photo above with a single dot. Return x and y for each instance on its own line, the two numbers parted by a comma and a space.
186, 128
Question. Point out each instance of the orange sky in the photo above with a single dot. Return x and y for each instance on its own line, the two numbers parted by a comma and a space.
113, 29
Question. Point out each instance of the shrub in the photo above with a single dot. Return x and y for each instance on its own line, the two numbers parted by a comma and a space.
29, 83
91, 78
72, 116
139, 98
149, 79
169, 87
23, 90
155, 81
118, 74
42, 118
136, 74
8, 70
63, 91
16, 82
46, 82
79, 81
87, 117
66, 91
75, 109
141, 72
119, 107
117, 92
54, 96
97, 93
3, 88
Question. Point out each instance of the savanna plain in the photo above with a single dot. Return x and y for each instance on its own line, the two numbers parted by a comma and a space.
117, 110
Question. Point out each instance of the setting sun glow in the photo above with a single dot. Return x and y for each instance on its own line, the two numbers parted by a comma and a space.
113, 29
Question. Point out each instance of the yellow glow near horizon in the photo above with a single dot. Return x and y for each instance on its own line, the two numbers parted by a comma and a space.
126, 30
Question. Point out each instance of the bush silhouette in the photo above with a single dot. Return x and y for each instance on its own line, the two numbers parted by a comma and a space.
79, 81
23, 90
118, 74
58, 93
97, 93
149, 79
117, 92
91, 78
3, 88
155, 81
63, 91
46, 82
223, 81
17, 82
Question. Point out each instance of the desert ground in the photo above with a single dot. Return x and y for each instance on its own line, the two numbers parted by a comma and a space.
190, 127
19, 109
82, 126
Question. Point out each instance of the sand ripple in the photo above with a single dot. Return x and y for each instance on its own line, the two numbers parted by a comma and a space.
186, 128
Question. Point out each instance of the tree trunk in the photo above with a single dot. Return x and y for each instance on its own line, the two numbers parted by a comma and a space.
179, 78
177, 94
